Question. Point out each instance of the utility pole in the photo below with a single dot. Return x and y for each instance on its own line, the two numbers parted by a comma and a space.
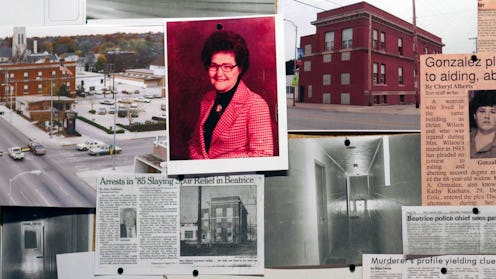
415, 54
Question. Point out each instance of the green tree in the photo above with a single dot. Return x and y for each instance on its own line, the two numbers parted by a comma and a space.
100, 62
64, 90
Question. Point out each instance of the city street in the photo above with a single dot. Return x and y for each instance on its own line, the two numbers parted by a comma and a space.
307, 116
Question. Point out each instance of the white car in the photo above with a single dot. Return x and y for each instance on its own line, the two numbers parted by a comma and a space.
142, 100
16, 153
87, 144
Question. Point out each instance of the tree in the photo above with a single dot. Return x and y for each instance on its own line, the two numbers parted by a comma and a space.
100, 62
64, 90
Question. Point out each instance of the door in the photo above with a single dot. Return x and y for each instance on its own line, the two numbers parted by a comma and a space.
32, 249
322, 218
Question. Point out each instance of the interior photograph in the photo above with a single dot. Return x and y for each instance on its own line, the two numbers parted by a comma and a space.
341, 198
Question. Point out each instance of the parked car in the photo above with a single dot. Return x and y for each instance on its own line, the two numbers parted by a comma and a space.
107, 102
134, 112
16, 153
122, 111
102, 111
87, 144
163, 107
104, 150
37, 148
126, 92
126, 100
136, 91
149, 96
142, 100
111, 110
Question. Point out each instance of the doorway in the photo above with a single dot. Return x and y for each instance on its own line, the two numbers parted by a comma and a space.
32, 249
322, 218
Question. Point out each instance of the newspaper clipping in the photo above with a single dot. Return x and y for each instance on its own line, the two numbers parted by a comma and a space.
440, 230
393, 266
458, 126
147, 224
486, 31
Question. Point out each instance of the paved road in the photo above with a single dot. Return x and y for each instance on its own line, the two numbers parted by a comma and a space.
57, 185
351, 119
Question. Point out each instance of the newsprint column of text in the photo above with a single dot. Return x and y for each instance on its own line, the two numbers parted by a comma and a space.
147, 224
458, 123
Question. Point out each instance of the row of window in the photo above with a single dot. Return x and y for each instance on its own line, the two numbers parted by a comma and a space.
345, 97
378, 77
26, 88
378, 41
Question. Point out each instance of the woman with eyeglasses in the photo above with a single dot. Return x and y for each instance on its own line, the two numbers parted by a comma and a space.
234, 122
483, 124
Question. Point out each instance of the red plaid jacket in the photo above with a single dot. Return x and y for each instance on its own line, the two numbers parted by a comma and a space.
244, 129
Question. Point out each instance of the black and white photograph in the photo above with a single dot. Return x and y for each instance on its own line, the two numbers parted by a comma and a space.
218, 221
341, 198
32, 237
128, 222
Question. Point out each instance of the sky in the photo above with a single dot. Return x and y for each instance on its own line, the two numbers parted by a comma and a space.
455, 21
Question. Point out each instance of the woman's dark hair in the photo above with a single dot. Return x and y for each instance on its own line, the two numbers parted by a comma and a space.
480, 98
226, 41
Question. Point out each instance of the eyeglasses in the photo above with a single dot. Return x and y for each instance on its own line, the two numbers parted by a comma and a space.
225, 67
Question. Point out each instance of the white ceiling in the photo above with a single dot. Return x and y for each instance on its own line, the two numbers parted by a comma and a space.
354, 159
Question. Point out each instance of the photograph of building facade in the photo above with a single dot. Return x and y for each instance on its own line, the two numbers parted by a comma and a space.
362, 55
225, 222
228, 222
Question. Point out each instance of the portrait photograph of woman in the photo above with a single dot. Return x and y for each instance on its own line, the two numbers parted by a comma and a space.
482, 124
225, 98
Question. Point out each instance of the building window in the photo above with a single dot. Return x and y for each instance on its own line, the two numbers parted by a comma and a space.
402, 98
307, 66
308, 49
218, 212
348, 38
25, 89
375, 74
290, 89
327, 58
188, 234
400, 75
345, 78
383, 41
345, 56
53, 73
40, 74
326, 79
40, 87
11, 76
375, 36
383, 74
329, 41
400, 46
309, 91
25, 75
384, 99
229, 212
426, 50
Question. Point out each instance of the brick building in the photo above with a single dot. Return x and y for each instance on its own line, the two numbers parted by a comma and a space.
28, 79
362, 55
228, 220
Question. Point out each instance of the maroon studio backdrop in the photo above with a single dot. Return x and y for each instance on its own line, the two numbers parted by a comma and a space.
188, 80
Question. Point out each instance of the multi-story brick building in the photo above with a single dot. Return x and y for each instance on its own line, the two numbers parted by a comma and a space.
228, 220
28, 79
362, 55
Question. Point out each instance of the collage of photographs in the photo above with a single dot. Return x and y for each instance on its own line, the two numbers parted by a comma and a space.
248, 139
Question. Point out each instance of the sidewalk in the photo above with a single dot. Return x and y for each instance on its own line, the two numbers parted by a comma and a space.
409, 109
36, 134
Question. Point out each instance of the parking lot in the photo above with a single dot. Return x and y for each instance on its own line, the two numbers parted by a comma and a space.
144, 108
